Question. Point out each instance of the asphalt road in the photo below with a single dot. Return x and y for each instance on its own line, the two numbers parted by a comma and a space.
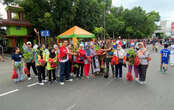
99, 94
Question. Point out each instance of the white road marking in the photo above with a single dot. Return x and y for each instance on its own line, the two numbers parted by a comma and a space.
6, 93
30, 85
71, 107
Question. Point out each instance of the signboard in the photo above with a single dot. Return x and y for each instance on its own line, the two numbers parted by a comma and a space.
172, 26
45, 33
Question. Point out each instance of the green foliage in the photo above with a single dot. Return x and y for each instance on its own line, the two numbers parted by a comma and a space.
98, 31
27, 56
60, 15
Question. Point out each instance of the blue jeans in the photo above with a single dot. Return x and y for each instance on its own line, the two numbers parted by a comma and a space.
19, 71
64, 71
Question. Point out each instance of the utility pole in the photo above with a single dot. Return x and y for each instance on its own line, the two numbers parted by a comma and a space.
104, 25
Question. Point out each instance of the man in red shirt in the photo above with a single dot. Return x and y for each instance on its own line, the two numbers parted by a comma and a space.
63, 60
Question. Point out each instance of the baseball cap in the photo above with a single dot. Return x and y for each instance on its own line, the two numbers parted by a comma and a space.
28, 43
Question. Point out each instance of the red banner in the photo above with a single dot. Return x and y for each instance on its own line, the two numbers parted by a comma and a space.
172, 26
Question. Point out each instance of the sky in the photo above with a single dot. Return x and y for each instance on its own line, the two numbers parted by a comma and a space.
164, 7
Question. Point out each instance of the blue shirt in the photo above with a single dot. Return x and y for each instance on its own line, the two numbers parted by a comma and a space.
165, 54
16, 57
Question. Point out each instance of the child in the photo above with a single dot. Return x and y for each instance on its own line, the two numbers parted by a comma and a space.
51, 65
165, 54
17, 64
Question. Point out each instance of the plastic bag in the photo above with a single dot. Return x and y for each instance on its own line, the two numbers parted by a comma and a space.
26, 71
14, 75
136, 61
129, 76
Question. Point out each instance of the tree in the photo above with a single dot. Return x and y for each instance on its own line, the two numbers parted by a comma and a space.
60, 15
98, 31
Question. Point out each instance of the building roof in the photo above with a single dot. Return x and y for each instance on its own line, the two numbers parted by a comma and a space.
14, 9
5, 22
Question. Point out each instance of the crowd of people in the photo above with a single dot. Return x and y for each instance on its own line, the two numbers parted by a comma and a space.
64, 61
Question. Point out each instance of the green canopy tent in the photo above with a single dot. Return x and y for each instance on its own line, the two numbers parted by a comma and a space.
76, 32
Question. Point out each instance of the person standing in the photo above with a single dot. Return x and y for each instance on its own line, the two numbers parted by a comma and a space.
57, 51
172, 55
95, 65
87, 61
131, 54
29, 58
108, 58
165, 55
40, 60
120, 55
63, 60
1, 53
143, 55
17, 64
80, 61
51, 65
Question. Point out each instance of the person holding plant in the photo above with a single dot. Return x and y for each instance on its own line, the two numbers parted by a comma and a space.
131, 54
29, 58
17, 64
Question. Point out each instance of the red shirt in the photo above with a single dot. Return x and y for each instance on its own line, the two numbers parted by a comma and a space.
63, 52
81, 56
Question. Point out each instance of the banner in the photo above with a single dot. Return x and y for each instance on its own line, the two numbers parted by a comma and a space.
172, 26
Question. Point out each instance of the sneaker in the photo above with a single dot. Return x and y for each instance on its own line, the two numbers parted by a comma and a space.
136, 79
141, 82
41, 84
120, 78
45, 81
115, 78
29, 78
62, 83
70, 80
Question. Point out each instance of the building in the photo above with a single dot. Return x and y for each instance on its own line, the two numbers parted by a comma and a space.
16, 27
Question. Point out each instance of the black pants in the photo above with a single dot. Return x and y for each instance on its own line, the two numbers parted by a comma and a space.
33, 67
80, 69
70, 65
108, 60
41, 73
52, 73
142, 72
118, 70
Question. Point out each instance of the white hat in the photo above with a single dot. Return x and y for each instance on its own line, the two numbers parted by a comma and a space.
35, 46
55, 46
28, 43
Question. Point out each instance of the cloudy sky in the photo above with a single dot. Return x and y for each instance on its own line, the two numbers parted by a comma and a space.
165, 7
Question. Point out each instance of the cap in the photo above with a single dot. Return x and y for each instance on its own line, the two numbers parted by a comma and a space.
28, 43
